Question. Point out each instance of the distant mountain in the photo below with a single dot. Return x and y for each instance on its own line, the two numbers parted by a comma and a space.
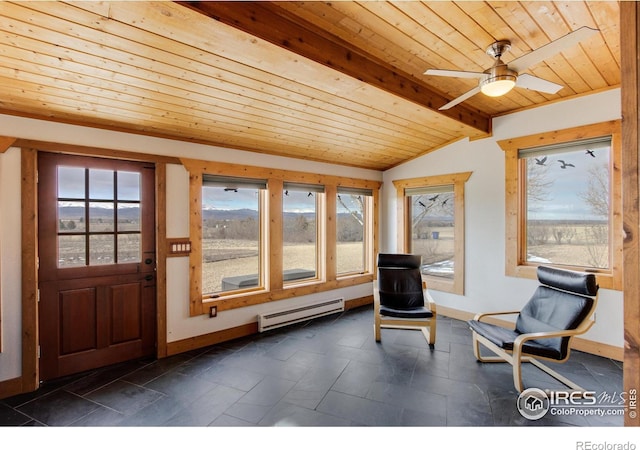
77, 212
242, 214
229, 214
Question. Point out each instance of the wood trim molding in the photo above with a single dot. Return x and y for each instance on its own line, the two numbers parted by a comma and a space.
629, 50
161, 260
183, 345
11, 387
30, 366
6, 142
73, 149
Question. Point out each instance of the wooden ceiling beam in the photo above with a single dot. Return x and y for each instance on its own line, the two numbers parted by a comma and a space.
267, 21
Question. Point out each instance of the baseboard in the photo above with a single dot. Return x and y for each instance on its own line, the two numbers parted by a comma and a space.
205, 340
9, 388
579, 344
217, 337
358, 302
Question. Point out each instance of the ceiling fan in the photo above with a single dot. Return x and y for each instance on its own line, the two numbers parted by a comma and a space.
501, 77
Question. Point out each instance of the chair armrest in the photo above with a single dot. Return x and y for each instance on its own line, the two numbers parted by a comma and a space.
376, 297
430, 301
494, 313
520, 340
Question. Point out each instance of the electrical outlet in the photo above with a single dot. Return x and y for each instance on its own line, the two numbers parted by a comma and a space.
213, 311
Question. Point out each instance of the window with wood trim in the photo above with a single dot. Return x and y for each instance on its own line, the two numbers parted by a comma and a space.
233, 234
563, 202
353, 230
302, 236
290, 243
431, 214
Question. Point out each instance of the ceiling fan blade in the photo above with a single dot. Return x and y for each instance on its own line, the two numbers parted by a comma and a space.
453, 73
537, 84
460, 99
551, 49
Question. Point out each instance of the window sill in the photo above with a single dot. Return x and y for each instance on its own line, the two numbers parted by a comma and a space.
605, 279
245, 299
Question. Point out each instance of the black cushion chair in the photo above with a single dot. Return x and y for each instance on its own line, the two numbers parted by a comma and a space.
560, 309
401, 299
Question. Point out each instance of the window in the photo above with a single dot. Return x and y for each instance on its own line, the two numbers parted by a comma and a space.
98, 216
432, 226
431, 213
260, 235
353, 208
301, 205
563, 202
232, 234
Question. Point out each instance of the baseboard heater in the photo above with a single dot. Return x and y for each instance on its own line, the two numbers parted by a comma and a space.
294, 315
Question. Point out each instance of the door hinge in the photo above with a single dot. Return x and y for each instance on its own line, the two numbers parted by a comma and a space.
38, 295
39, 352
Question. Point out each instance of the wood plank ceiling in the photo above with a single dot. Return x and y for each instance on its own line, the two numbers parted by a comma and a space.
232, 74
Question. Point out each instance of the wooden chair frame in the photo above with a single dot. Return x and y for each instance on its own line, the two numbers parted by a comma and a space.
517, 356
426, 325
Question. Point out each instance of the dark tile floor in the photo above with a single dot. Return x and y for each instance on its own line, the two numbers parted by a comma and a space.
326, 372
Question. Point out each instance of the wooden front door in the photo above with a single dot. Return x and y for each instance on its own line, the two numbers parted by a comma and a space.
96, 246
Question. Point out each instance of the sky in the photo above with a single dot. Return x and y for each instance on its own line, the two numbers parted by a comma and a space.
71, 184
565, 202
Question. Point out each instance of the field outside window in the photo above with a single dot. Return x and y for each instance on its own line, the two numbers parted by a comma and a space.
300, 231
567, 204
352, 228
432, 229
232, 234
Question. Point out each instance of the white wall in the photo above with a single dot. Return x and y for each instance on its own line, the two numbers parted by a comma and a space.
179, 324
10, 260
486, 286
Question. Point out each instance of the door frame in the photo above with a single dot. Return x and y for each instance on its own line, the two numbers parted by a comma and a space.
30, 379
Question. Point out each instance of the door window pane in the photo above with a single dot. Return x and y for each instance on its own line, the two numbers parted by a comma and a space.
128, 186
71, 251
129, 248
101, 217
101, 249
100, 184
71, 217
71, 182
129, 217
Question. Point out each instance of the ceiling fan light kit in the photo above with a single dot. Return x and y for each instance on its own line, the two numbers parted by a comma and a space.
501, 77
499, 80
